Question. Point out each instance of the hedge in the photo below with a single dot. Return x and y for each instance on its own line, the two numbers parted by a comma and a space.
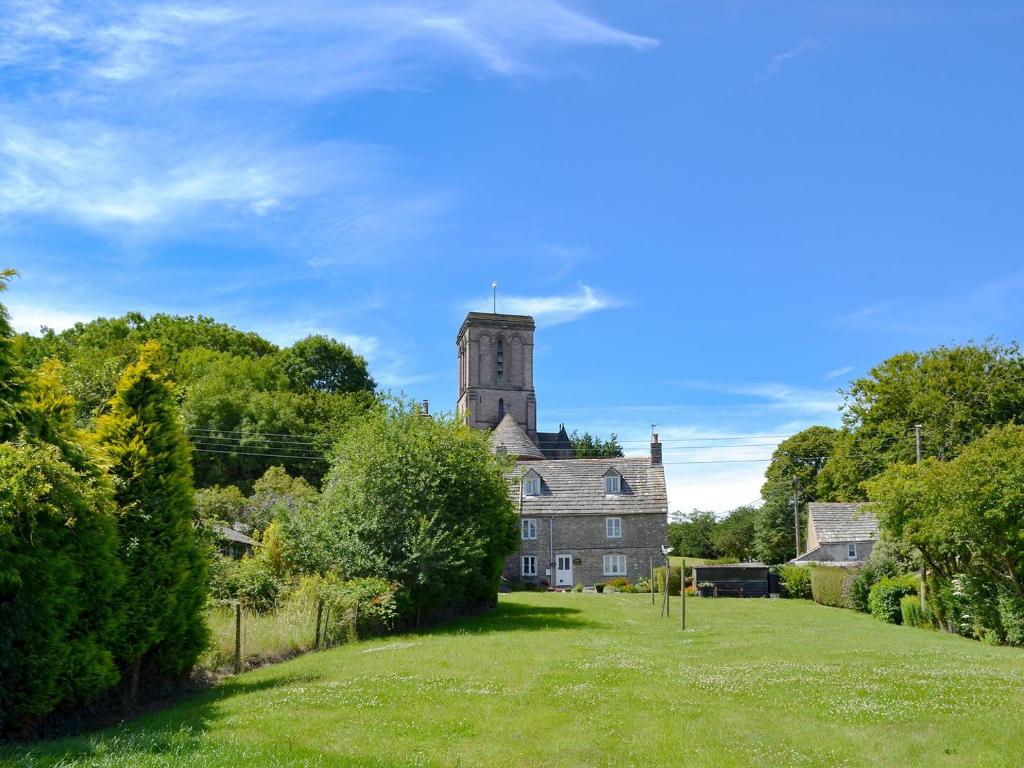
832, 585
796, 580
674, 580
884, 598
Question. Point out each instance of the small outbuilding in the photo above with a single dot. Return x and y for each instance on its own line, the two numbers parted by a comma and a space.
732, 579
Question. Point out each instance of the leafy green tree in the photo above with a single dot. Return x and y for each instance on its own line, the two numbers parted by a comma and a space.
587, 446
965, 517
148, 454
692, 534
421, 501
322, 364
733, 536
11, 373
225, 504
795, 468
955, 393
60, 579
276, 494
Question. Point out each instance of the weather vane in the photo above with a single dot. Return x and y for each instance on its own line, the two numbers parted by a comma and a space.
494, 292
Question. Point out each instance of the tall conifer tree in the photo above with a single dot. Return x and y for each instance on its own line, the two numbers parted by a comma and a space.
149, 458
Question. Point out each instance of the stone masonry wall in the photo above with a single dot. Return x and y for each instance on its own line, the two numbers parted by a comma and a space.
583, 537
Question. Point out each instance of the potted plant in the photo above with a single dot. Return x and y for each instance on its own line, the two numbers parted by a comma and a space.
599, 587
707, 588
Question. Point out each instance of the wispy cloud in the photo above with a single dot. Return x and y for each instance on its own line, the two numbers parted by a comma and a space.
809, 46
775, 396
835, 373
549, 310
30, 317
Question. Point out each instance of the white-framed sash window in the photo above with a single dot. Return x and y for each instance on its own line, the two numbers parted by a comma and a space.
612, 484
529, 529
528, 565
613, 527
851, 551
531, 486
614, 565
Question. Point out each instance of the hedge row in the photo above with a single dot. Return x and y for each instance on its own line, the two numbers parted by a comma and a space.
833, 585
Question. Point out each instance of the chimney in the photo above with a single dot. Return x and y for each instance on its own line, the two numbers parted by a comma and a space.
655, 449
426, 409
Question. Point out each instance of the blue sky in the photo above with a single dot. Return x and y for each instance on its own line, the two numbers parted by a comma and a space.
719, 212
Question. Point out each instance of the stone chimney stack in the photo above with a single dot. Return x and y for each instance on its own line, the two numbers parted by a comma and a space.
655, 449
425, 408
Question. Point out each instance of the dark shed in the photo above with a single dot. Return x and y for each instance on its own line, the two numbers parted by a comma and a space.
733, 579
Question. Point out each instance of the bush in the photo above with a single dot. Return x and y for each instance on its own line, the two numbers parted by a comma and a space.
796, 581
675, 579
910, 610
869, 574
619, 584
1011, 616
831, 585
578, 587
884, 598
59, 580
256, 586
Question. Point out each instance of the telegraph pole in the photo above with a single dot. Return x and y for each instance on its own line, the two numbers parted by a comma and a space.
796, 518
917, 441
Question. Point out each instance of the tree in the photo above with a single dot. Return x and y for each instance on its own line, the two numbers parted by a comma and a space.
276, 494
691, 534
59, 583
324, 365
955, 393
148, 454
587, 446
966, 517
11, 373
795, 468
733, 536
424, 502
223, 504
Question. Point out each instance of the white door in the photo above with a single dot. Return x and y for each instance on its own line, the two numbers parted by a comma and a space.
563, 571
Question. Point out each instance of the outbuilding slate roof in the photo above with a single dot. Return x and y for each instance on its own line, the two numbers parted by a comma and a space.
576, 487
516, 442
842, 522
230, 534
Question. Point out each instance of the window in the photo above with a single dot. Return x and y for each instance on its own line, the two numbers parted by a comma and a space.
529, 563
499, 359
614, 565
613, 527
531, 485
851, 551
529, 529
501, 408
612, 484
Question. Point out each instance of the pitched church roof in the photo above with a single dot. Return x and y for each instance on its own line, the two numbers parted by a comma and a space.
516, 442
842, 522
556, 445
576, 487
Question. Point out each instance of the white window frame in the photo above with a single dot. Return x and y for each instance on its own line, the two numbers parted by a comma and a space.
528, 529
528, 565
613, 527
612, 485
851, 551
611, 564
531, 485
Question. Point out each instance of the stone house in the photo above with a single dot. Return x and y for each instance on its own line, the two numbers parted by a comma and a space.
839, 533
581, 520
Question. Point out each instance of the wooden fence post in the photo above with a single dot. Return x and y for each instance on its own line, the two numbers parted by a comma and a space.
651, 563
238, 637
319, 616
682, 595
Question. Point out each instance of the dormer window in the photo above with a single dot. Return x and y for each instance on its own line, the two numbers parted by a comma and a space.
612, 482
531, 484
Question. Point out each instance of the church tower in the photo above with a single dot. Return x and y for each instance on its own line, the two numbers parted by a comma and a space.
496, 371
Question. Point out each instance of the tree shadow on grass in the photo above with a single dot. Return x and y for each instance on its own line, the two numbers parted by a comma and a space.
174, 729
518, 617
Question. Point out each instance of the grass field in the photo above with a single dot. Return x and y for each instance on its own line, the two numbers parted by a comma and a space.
596, 680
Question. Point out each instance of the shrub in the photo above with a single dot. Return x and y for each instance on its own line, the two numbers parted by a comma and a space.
796, 581
910, 611
869, 574
1011, 615
256, 586
831, 585
673, 581
59, 580
578, 587
619, 583
884, 598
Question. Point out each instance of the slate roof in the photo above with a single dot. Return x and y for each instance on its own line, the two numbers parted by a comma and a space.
842, 522
576, 487
516, 442
555, 445
230, 534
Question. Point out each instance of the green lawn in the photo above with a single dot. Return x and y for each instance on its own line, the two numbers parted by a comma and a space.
594, 680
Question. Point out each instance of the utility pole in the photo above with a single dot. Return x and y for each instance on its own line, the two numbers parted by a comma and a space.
796, 518
917, 441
